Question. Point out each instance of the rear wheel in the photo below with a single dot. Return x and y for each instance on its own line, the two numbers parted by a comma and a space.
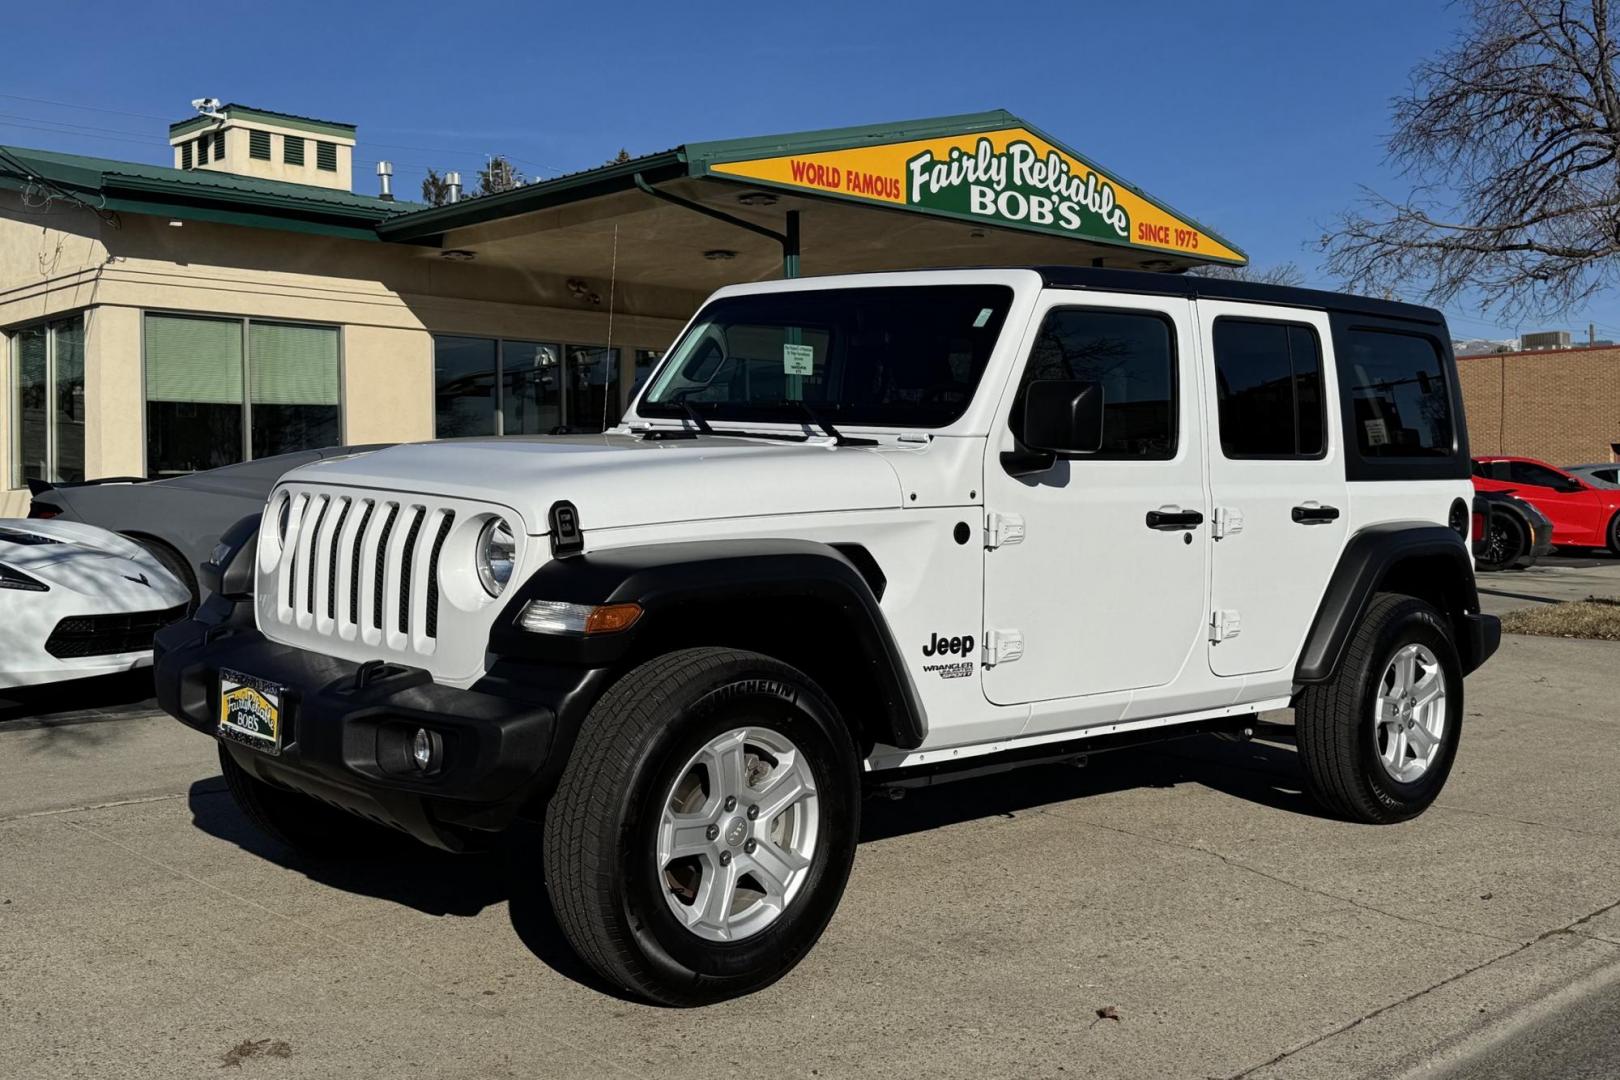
1614, 534
1506, 542
703, 829
1377, 741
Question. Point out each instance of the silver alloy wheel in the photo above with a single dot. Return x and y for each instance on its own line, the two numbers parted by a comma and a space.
1409, 713
737, 834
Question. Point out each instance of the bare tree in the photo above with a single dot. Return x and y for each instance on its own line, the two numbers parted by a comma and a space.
1282, 274
1510, 139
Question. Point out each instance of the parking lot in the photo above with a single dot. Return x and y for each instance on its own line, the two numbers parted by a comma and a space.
1189, 890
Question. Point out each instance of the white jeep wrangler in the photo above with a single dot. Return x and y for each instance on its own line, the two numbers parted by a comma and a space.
856, 532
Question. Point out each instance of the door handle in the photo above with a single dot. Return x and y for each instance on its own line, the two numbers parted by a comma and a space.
1315, 515
1171, 519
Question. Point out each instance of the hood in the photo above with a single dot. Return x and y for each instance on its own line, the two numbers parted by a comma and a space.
107, 571
620, 480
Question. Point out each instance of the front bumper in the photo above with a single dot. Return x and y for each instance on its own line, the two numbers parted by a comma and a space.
347, 730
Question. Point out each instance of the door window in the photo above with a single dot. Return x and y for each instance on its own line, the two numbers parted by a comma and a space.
1268, 378
1528, 472
1131, 356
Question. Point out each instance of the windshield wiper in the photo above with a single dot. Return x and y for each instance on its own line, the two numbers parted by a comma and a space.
693, 415
838, 437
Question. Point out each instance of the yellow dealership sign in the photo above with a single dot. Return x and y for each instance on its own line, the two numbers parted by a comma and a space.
1009, 177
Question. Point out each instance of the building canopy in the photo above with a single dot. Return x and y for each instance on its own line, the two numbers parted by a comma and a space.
986, 188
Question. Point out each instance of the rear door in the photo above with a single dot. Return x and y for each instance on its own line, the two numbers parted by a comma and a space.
1277, 479
1095, 563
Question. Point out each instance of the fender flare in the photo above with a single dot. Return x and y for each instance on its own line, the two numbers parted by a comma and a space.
1365, 565
753, 575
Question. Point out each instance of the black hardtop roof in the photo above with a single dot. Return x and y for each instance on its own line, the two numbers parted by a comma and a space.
1194, 287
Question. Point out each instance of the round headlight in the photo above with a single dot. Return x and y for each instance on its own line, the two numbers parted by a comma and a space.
497, 551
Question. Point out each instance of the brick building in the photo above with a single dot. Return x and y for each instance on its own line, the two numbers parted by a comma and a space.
1559, 405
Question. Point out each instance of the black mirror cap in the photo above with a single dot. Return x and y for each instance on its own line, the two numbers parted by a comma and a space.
231, 575
1063, 416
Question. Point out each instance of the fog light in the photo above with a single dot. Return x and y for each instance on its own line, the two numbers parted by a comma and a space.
422, 749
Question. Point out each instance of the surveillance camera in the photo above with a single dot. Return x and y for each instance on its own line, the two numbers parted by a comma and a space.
205, 104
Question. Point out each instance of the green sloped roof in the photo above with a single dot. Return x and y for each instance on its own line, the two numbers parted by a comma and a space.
200, 194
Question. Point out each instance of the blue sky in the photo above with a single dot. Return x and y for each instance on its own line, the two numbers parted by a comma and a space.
1259, 119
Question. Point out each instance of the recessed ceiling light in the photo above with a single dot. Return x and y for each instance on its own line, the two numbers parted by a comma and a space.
719, 254
757, 198
175, 223
458, 255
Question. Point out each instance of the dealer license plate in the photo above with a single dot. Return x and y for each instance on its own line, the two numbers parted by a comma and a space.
249, 711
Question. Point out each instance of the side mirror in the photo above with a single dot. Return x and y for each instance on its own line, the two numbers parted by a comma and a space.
1569, 484
1063, 416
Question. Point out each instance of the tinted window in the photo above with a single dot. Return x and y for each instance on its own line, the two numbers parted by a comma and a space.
1269, 380
1527, 472
1131, 356
902, 357
1610, 476
1400, 406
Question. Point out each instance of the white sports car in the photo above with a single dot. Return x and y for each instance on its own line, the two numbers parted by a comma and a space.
76, 600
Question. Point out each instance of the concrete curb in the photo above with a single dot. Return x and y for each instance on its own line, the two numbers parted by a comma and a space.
1429, 1035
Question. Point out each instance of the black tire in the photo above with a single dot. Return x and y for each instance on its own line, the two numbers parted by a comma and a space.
1506, 542
302, 824
1614, 535
1338, 740
601, 824
175, 564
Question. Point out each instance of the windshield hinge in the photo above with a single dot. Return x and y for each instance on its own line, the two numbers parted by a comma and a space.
1001, 529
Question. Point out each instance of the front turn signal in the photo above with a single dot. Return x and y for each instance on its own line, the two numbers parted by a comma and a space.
557, 617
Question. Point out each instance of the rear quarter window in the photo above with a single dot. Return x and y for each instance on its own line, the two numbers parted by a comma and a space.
1400, 400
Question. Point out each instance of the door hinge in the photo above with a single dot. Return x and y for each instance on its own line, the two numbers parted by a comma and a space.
1228, 522
1002, 529
1224, 623
1002, 646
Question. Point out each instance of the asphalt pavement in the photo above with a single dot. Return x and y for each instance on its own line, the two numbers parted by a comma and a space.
1192, 891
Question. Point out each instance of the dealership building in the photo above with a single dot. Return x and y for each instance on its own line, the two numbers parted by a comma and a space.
245, 300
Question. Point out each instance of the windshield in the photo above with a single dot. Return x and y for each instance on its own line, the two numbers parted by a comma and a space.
910, 356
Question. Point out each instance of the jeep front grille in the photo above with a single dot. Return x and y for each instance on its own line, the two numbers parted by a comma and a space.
349, 555
361, 574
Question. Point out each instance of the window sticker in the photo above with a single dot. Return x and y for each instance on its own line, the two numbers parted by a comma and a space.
1377, 432
984, 317
798, 359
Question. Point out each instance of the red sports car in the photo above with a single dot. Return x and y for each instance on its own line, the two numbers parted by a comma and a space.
1582, 515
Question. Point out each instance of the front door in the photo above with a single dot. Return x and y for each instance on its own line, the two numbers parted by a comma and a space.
1276, 479
1098, 566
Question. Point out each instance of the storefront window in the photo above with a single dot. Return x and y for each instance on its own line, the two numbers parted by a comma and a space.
646, 361
531, 388
593, 388
463, 386
491, 386
219, 391
48, 367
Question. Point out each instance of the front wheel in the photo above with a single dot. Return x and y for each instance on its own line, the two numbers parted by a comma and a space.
704, 826
1614, 535
1378, 739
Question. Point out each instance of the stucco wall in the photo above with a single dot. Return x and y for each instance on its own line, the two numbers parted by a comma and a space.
389, 299
1560, 406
